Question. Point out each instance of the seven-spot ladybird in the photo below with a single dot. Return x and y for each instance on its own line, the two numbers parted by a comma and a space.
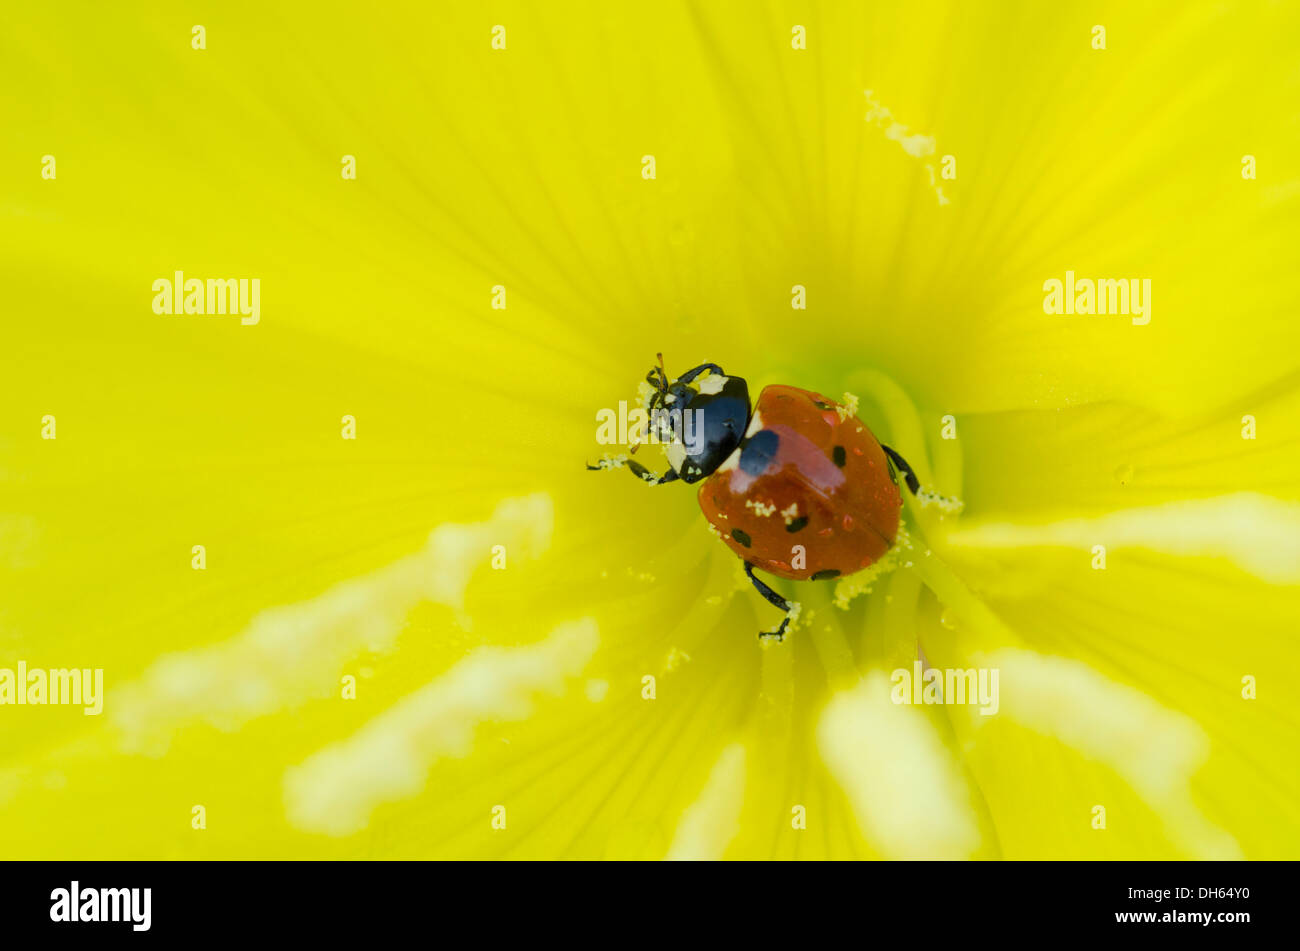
797, 486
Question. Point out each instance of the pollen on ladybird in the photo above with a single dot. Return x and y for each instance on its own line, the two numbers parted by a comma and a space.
850, 407
761, 508
791, 513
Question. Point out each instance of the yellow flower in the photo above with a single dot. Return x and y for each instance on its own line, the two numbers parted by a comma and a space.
350, 587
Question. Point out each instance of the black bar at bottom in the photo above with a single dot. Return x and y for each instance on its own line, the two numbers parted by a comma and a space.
441, 900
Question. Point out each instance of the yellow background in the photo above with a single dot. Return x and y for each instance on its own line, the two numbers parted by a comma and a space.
522, 167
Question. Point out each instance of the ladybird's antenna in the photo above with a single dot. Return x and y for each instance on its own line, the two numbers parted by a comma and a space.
660, 384
661, 390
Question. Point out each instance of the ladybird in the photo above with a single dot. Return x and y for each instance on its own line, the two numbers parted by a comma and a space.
794, 484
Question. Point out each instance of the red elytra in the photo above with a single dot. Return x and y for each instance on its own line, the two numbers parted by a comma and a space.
827, 489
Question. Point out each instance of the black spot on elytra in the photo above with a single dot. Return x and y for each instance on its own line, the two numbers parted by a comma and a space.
820, 405
758, 451
797, 524
838, 455
825, 573
744, 539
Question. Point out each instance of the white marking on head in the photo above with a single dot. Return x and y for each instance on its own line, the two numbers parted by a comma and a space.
676, 454
713, 384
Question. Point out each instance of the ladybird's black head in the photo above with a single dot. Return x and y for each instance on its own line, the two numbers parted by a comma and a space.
701, 416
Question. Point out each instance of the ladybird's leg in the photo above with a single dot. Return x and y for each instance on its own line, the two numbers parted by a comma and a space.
775, 599
638, 470
690, 375
669, 476
909, 476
